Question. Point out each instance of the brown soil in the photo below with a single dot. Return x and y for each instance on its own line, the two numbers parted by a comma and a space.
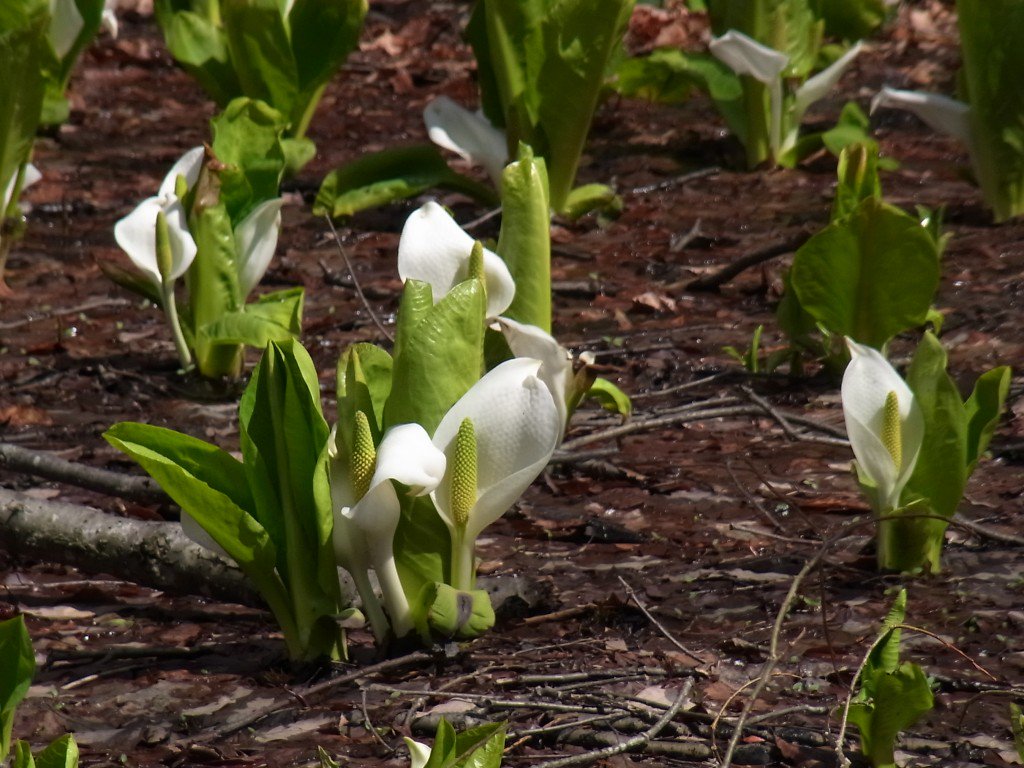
708, 522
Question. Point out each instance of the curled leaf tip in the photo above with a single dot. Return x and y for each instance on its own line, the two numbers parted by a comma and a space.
364, 455
464, 474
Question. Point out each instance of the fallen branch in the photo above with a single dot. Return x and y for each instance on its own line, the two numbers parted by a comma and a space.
715, 280
45, 465
153, 553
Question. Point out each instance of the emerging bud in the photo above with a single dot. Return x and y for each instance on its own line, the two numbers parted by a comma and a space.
364, 456
464, 473
476, 261
164, 254
892, 436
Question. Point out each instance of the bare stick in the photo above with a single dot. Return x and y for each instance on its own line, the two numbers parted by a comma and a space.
676, 181
46, 465
355, 282
715, 280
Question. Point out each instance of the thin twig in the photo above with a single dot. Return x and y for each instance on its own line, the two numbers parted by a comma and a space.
680, 387
715, 280
474, 223
661, 627
753, 499
676, 181
636, 742
355, 282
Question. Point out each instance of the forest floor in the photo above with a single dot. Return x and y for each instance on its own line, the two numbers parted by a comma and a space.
649, 567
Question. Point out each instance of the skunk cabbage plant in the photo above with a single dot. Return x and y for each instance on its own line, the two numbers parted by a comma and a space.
479, 747
989, 117
215, 222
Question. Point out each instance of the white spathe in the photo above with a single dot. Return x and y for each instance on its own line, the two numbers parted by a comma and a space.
867, 382
938, 112
65, 25
136, 232
30, 177
470, 135
191, 528
433, 248
255, 242
364, 529
815, 88
517, 428
745, 56
556, 369
419, 753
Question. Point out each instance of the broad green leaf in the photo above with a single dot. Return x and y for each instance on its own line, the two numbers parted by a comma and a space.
393, 174
1017, 728
983, 409
62, 753
440, 358
213, 277
663, 76
261, 52
205, 481
444, 747
417, 301
592, 197
200, 47
247, 138
525, 238
993, 58
274, 317
17, 666
900, 699
482, 746
297, 153
940, 474
23, 52
323, 34
788, 26
869, 276
610, 397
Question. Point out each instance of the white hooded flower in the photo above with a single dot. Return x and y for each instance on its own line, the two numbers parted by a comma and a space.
365, 521
556, 369
433, 248
136, 232
884, 423
938, 112
497, 438
470, 135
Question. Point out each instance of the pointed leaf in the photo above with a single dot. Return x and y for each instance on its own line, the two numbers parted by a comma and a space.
16, 672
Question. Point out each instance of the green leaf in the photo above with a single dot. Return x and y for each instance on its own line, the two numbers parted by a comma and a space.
610, 397
205, 481
422, 549
261, 52
850, 19
900, 699
297, 153
445, 612
439, 359
983, 409
417, 300
592, 197
23, 52
201, 48
323, 34
1017, 727
22, 755
663, 76
858, 179
525, 238
940, 474
17, 666
273, 317
869, 276
247, 138
483, 746
990, 35
62, 753
393, 174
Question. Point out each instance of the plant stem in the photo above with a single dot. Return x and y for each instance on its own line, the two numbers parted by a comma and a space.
910, 544
171, 311
371, 605
463, 561
394, 595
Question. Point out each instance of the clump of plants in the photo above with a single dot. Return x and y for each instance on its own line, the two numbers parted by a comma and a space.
214, 223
